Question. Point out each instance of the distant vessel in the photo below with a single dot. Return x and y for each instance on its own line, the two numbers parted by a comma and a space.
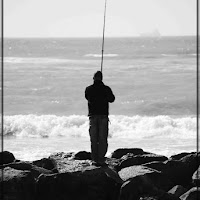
154, 33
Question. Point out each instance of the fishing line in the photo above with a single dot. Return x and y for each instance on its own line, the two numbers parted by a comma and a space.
102, 51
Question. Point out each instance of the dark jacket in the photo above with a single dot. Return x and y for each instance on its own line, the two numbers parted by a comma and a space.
98, 96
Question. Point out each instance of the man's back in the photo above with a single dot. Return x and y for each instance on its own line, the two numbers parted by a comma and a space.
98, 96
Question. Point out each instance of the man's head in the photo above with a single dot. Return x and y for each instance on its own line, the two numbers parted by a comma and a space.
98, 76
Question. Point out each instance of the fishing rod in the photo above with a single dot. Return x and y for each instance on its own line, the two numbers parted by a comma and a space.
103, 36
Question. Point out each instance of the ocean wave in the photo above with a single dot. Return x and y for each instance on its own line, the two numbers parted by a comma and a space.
169, 55
120, 126
99, 55
176, 55
35, 60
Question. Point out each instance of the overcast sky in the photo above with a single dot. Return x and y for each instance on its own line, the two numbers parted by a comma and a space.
84, 18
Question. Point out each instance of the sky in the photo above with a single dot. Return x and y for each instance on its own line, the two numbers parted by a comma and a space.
84, 18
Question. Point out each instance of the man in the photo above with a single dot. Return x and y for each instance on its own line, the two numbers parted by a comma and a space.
99, 96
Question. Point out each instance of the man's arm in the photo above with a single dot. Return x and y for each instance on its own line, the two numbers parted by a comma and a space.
110, 95
86, 93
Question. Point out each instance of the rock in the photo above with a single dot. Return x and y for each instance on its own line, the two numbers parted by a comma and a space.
45, 163
82, 155
157, 165
192, 158
72, 176
139, 187
66, 163
121, 152
133, 189
110, 172
102, 182
36, 171
6, 157
192, 194
61, 155
179, 156
175, 169
148, 198
177, 190
113, 163
89, 183
17, 184
60, 186
78, 179
22, 165
196, 177
133, 171
146, 177
167, 196
129, 160
163, 196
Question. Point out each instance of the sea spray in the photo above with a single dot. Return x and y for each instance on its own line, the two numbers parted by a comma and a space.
135, 127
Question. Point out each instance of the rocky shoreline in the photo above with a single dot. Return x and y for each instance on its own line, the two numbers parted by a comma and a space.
131, 174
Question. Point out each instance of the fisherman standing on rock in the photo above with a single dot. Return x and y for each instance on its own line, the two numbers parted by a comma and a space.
99, 96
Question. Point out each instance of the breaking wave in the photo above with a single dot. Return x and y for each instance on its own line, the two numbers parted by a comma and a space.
36, 60
99, 55
120, 126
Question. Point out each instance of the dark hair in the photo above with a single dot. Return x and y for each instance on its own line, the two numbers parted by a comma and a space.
98, 75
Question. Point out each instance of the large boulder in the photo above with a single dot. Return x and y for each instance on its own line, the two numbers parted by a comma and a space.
89, 183
45, 163
65, 162
192, 194
82, 155
60, 186
6, 157
134, 171
180, 155
130, 160
196, 177
123, 151
181, 171
102, 182
17, 184
22, 165
157, 165
146, 175
191, 159
141, 186
177, 190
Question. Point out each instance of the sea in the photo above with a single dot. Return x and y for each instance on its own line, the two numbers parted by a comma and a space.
152, 78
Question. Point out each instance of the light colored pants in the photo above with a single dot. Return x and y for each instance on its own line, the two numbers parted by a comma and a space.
98, 131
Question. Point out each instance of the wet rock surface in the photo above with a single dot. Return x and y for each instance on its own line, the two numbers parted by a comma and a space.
129, 174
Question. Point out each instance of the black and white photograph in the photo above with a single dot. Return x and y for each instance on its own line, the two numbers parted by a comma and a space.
99, 100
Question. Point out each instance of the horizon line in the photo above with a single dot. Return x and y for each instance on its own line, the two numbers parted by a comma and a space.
99, 37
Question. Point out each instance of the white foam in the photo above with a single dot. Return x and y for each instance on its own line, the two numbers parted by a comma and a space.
158, 126
99, 55
121, 126
169, 55
36, 60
